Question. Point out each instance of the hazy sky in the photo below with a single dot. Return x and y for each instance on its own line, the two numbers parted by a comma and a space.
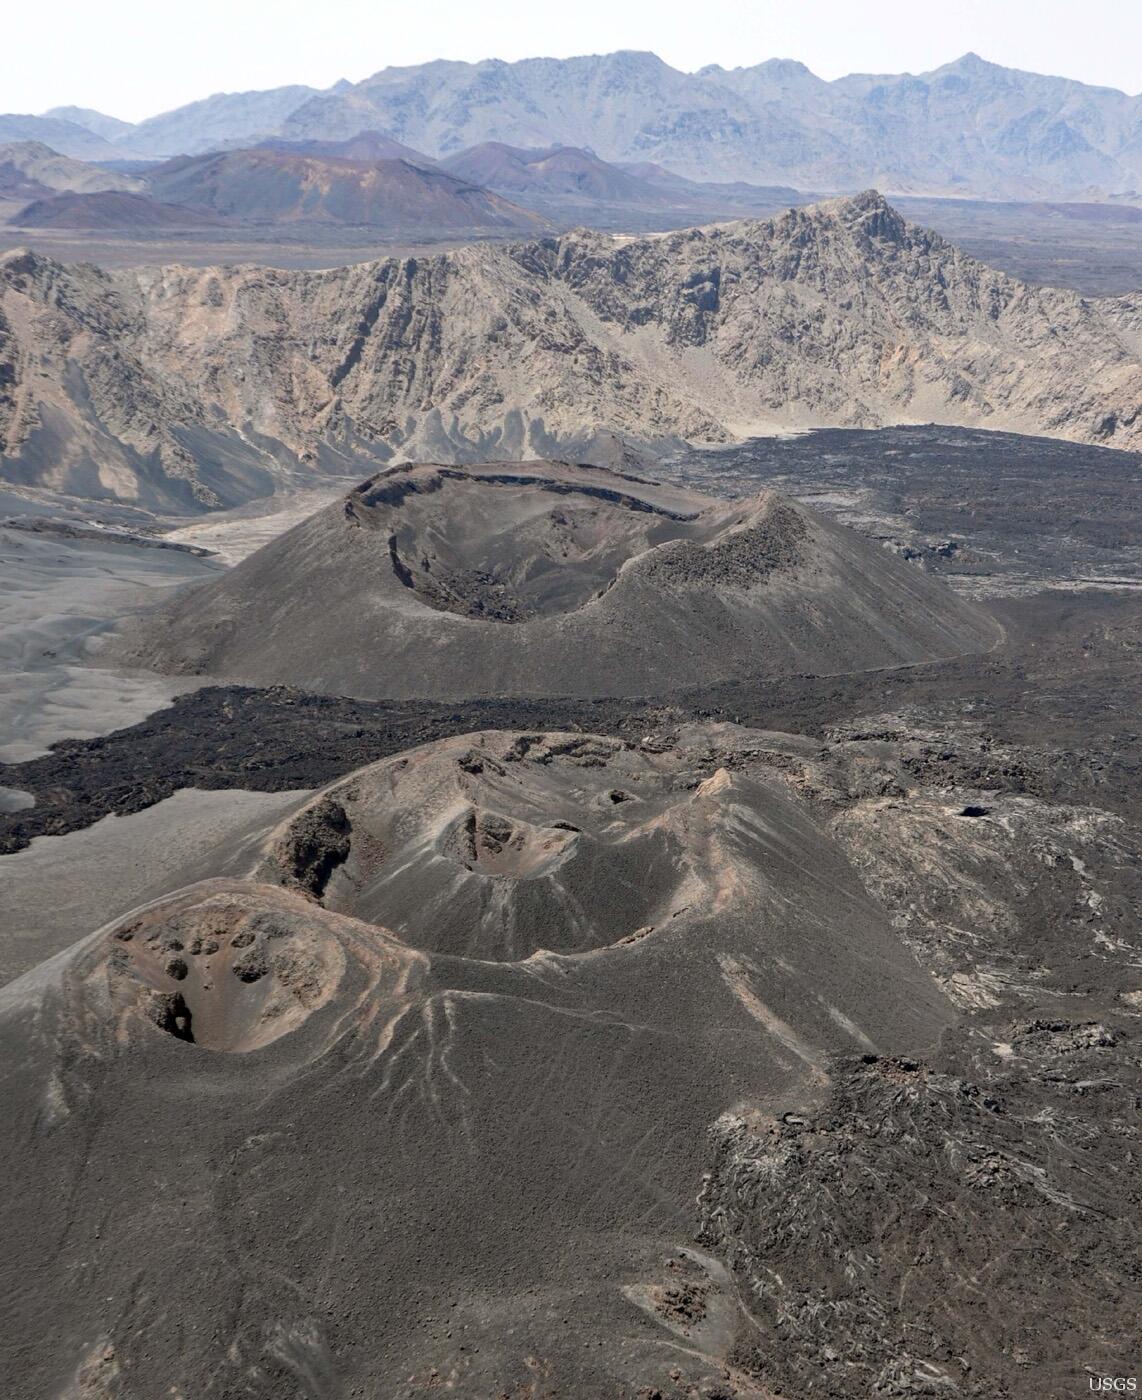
133, 58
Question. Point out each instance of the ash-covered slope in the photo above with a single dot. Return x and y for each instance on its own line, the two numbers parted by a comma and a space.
547, 579
838, 314
303, 1155
439, 1096
109, 209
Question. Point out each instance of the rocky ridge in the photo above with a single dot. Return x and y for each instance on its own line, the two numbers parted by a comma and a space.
196, 386
29, 169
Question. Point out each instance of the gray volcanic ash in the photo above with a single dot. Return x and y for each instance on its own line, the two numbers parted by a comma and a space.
381, 1160
547, 579
438, 1093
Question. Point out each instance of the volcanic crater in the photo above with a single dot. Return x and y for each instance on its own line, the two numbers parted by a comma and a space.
499, 848
546, 578
222, 971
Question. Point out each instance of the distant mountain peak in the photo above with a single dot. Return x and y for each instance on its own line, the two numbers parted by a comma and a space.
110, 128
769, 67
639, 56
786, 65
869, 201
971, 65
26, 149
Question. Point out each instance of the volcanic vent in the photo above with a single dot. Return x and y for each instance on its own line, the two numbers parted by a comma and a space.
474, 543
496, 846
550, 579
227, 965
222, 970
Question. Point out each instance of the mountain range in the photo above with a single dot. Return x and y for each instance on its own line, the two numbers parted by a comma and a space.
970, 127
199, 387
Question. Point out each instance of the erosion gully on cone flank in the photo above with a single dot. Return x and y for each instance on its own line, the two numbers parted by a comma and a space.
544, 578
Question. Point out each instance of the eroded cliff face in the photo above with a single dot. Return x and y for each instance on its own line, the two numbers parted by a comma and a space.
201, 386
